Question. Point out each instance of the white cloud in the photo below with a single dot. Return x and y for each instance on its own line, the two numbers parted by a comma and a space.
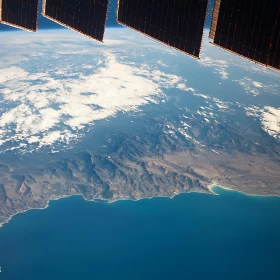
50, 138
269, 118
271, 121
220, 104
202, 95
250, 86
44, 108
257, 84
11, 73
184, 87
255, 88
253, 111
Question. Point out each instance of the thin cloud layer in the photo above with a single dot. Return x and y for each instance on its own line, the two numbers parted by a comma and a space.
220, 66
250, 86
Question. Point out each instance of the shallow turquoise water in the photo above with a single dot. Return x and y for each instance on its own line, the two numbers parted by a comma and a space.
193, 236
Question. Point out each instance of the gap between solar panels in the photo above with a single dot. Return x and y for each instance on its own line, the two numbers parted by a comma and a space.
21, 14
87, 17
176, 23
248, 28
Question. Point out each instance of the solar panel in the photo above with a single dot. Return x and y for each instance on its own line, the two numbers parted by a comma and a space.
274, 54
249, 28
176, 23
84, 16
20, 13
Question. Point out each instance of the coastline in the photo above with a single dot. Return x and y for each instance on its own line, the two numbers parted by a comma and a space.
234, 190
210, 188
94, 200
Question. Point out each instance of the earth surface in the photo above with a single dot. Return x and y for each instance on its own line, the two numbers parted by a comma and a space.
130, 119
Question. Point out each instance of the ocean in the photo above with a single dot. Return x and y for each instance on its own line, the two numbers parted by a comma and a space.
192, 236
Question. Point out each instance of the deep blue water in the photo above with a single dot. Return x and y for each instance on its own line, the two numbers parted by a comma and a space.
193, 236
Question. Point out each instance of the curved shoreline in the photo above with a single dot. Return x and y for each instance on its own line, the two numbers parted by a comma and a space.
234, 190
210, 188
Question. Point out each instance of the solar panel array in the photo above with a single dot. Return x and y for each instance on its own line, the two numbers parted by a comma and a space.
250, 28
20, 13
177, 23
84, 16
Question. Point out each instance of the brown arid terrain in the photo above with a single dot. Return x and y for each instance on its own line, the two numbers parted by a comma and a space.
165, 162
251, 174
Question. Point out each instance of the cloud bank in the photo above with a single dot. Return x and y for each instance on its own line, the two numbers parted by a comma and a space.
44, 108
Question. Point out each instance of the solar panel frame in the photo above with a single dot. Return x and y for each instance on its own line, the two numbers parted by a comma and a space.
15, 12
155, 18
215, 16
64, 17
248, 28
